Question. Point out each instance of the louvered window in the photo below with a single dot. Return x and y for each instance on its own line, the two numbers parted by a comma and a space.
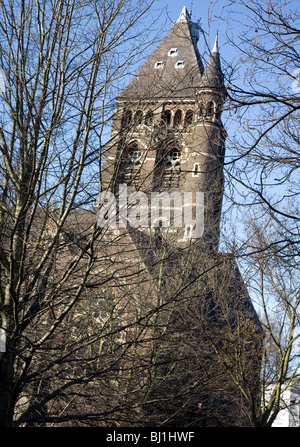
172, 169
132, 168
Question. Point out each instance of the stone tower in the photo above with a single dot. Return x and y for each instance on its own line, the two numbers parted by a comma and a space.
168, 134
168, 141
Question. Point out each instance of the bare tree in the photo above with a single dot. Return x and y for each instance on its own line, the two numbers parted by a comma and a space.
262, 173
265, 148
275, 286
63, 62
88, 333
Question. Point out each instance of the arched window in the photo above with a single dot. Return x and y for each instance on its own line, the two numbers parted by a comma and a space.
201, 110
196, 170
138, 117
177, 118
149, 118
126, 118
132, 162
172, 169
189, 118
166, 118
210, 109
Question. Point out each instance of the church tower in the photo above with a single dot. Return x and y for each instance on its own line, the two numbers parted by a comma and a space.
168, 136
168, 140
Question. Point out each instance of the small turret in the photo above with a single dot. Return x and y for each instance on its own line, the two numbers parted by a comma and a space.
213, 77
212, 92
211, 136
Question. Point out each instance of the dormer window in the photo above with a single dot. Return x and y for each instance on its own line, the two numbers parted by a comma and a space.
173, 52
180, 64
159, 65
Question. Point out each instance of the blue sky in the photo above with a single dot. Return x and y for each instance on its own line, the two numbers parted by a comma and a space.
200, 10
212, 15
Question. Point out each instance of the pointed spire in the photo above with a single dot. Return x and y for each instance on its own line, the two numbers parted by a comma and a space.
184, 16
216, 46
213, 76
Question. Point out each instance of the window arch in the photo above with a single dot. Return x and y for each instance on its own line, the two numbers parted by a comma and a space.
132, 162
189, 116
166, 117
172, 169
177, 118
149, 118
126, 118
138, 117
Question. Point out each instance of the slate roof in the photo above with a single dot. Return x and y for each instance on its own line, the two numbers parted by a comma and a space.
170, 81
